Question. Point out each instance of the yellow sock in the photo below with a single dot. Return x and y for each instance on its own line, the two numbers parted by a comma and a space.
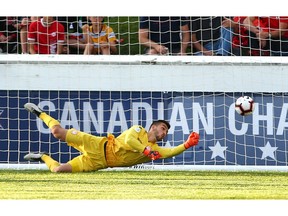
48, 120
51, 163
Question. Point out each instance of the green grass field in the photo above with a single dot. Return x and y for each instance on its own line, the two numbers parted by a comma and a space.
126, 28
143, 185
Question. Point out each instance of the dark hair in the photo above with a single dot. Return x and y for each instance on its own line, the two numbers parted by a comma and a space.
160, 121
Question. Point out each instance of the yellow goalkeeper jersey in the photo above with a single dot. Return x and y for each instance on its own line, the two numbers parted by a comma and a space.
127, 148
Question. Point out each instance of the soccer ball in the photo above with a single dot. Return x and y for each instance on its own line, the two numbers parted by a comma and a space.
244, 105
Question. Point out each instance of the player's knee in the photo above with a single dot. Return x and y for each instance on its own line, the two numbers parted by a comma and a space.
55, 132
56, 170
63, 168
58, 132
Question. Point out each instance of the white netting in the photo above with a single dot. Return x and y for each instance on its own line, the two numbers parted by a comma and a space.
231, 38
110, 93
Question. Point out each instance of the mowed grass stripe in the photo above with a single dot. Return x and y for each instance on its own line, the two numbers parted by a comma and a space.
165, 185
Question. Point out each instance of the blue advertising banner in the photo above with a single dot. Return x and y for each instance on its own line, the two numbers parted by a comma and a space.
226, 137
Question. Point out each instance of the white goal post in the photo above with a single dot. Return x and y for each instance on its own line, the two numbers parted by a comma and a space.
100, 94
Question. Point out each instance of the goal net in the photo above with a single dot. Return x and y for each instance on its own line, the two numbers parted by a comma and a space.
98, 94
103, 94
231, 38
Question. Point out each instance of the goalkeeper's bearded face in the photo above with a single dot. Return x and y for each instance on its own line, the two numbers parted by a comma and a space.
160, 131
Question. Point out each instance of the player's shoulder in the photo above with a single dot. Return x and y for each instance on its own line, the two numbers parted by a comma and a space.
138, 128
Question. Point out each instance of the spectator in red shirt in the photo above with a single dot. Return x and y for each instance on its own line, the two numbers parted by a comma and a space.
267, 35
46, 36
24, 23
240, 39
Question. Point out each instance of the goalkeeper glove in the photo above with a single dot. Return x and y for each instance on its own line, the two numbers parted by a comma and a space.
153, 155
192, 140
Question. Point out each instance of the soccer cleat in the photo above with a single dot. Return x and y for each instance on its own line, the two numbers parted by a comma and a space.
30, 107
34, 156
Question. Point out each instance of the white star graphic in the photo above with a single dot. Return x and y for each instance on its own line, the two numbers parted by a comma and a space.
218, 150
268, 151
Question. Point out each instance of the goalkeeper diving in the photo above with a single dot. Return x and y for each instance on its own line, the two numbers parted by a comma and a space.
133, 146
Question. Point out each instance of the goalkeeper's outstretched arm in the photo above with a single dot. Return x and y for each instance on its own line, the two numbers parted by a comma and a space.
192, 140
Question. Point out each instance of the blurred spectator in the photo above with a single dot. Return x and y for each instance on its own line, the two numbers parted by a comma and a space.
240, 39
211, 35
46, 36
24, 26
73, 28
231, 44
8, 35
164, 35
267, 34
100, 38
